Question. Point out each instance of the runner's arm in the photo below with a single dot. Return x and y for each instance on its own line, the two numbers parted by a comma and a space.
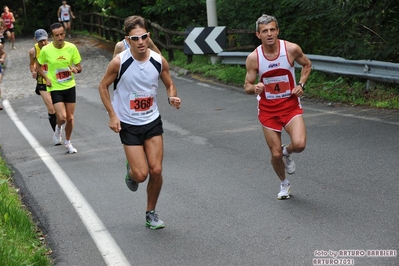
77, 68
119, 47
153, 47
40, 71
306, 64
251, 65
70, 12
3, 54
170, 86
296, 53
109, 77
32, 63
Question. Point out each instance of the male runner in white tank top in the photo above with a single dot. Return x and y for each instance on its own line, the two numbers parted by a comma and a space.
134, 113
278, 95
65, 16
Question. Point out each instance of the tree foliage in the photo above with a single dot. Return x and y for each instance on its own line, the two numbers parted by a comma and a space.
353, 29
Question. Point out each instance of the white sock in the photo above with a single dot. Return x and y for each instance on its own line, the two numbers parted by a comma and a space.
67, 142
285, 152
285, 182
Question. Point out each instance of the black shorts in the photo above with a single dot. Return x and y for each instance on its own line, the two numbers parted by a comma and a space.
2, 39
136, 135
10, 30
40, 87
64, 96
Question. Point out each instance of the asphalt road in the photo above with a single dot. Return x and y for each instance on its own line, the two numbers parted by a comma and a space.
219, 196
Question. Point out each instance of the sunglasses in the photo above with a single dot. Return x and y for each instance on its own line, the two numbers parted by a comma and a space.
136, 38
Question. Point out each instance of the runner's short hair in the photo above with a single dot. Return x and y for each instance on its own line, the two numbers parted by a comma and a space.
56, 25
133, 22
265, 19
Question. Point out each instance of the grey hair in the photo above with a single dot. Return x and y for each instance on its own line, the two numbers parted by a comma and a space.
265, 19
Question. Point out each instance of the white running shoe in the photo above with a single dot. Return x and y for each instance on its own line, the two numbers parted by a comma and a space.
152, 220
289, 163
284, 192
57, 137
70, 148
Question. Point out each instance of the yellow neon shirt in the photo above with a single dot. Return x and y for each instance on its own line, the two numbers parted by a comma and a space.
40, 79
59, 63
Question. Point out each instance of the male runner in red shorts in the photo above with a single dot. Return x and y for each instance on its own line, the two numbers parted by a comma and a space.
8, 21
278, 94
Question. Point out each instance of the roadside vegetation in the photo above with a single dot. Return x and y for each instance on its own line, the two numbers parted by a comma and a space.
320, 86
20, 240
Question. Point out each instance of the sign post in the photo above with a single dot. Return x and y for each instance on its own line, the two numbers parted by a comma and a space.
212, 20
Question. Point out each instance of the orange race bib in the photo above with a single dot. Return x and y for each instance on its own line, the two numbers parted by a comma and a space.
45, 68
63, 75
141, 104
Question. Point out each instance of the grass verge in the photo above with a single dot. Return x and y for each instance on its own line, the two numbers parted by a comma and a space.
20, 240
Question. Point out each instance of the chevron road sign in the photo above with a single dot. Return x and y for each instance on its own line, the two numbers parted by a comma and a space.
205, 40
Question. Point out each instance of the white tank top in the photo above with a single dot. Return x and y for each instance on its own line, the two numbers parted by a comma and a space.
135, 89
126, 44
65, 13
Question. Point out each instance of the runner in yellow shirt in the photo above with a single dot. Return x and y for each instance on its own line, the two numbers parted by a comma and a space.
41, 38
63, 62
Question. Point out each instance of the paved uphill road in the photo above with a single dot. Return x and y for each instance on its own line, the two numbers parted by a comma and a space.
219, 196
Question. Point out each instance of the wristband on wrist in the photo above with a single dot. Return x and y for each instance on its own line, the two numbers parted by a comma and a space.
169, 99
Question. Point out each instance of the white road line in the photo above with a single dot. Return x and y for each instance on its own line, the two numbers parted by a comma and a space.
107, 246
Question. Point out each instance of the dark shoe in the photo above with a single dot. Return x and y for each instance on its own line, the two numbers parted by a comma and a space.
131, 184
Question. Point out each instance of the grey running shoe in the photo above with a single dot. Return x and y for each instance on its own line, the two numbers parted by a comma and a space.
284, 192
70, 148
131, 184
57, 138
289, 163
152, 220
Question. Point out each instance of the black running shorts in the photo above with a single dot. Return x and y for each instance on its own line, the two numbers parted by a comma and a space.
64, 96
40, 87
136, 135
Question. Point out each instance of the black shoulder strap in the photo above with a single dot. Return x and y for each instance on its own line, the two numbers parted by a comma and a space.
156, 64
124, 67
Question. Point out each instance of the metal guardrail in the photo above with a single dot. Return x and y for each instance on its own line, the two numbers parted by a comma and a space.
367, 69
